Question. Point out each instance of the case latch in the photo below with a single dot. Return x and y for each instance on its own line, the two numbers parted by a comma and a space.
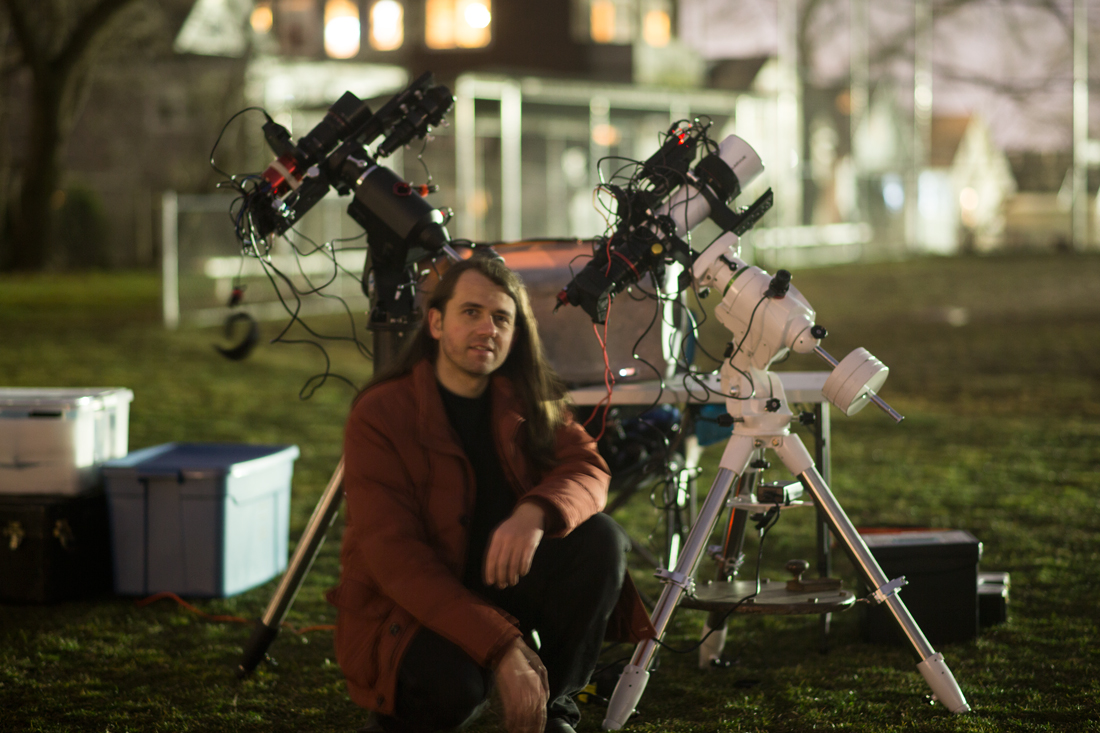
15, 533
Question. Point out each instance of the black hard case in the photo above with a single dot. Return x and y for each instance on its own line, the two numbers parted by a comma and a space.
53, 548
941, 570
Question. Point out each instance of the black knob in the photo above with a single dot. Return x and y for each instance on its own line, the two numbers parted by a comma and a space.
818, 331
779, 285
773, 405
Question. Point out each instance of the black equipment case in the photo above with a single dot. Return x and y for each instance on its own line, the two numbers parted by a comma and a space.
53, 548
941, 567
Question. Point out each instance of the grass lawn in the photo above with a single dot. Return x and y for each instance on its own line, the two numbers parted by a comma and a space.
994, 361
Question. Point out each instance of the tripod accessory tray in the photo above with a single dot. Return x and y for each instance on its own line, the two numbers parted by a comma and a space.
773, 598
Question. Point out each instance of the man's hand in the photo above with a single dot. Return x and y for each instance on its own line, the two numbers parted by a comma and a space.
524, 690
512, 545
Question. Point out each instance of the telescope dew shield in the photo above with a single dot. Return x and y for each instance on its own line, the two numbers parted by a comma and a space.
425, 112
722, 175
342, 117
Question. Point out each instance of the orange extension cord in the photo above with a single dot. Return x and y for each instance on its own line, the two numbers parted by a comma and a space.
224, 619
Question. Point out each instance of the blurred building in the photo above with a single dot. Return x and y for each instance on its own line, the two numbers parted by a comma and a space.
1038, 216
965, 189
544, 92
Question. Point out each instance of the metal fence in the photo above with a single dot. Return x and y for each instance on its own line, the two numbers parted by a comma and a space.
322, 256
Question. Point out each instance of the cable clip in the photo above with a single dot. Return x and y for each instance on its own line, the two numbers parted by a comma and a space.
684, 581
889, 589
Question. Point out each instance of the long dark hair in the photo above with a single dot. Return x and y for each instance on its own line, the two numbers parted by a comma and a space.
538, 388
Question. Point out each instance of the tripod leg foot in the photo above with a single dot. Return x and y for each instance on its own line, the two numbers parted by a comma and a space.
945, 689
627, 693
932, 668
710, 649
256, 648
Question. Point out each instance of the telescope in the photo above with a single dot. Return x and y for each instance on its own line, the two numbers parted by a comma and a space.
651, 223
402, 227
767, 319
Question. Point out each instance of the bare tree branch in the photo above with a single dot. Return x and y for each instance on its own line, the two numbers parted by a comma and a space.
1017, 88
24, 36
86, 31
54, 41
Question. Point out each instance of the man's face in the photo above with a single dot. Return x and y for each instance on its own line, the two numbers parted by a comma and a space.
474, 332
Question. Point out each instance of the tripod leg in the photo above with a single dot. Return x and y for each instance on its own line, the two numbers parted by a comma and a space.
931, 666
267, 627
714, 629
632, 683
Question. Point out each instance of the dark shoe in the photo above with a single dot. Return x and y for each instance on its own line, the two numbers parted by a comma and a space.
557, 725
373, 726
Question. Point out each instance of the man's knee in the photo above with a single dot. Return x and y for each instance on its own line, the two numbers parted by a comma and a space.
605, 533
603, 542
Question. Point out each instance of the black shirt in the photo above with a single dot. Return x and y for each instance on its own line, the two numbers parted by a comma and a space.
493, 497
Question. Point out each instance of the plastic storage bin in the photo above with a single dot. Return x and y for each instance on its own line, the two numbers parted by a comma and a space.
53, 441
941, 568
199, 519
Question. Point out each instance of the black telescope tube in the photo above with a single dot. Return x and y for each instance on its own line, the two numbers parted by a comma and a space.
341, 117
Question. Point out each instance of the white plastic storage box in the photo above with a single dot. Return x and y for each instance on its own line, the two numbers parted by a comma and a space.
199, 519
53, 441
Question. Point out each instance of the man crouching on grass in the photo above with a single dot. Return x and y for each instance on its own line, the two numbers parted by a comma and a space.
475, 556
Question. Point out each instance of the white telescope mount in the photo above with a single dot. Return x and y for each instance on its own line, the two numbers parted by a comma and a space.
767, 319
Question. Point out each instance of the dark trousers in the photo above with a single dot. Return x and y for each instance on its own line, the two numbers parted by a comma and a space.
566, 598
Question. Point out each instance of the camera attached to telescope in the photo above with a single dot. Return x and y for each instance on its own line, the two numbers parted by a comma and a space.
402, 227
649, 230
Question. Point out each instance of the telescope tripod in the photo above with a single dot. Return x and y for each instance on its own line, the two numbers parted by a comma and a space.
735, 461
387, 342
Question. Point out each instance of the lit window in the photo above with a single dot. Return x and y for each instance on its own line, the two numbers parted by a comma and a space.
603, 21
458, 23
341, 29
477, 15
969, 199
387, 25
612, 21
656, 28
262, 18
606, 135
